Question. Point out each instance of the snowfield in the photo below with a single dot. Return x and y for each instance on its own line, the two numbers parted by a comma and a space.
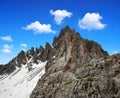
21, 82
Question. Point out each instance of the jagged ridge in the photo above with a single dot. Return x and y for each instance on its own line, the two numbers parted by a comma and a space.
76, 68
67, 38
80, 69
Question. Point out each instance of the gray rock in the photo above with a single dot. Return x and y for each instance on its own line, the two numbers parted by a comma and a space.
76, 68
80, 69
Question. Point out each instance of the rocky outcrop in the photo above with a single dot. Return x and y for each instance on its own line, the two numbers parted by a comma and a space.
76, 68
16, 62
48, 52
29, 57
98, 78
80, 69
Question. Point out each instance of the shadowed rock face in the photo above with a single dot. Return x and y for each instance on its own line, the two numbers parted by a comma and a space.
68, 44
31, 56
16, 62
76, 68
80, 69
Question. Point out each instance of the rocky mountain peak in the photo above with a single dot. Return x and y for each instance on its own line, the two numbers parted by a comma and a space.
64, 31
21, 58
70, 42
80, 69
76, 68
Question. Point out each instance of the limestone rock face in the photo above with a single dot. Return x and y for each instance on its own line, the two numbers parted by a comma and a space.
80, 69
21, 58
48, 53
16, 62
76, 68
31, 56
70, 42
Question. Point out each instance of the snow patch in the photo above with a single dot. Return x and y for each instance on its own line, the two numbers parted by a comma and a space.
21, 82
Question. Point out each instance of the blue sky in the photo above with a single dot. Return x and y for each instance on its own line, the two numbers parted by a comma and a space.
31, 23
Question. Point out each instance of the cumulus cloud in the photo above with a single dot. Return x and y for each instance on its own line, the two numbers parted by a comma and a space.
23, 49
91, 21
37, 27
7, 48
23, 45
6, 38
60, 15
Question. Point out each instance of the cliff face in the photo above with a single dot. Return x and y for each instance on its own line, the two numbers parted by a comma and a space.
31, 56
79, 69
76, 68
98, 78
68, 44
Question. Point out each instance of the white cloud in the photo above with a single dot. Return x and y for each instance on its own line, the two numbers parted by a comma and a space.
59, 15
37, 27
7, 48
6, 38
91, 21
23, 45
23, 49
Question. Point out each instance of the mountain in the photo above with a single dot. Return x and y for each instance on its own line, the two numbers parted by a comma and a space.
21, 82
72, 67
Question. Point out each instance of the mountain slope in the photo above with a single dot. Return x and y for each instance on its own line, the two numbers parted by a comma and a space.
74, 68
80, 69
21, 82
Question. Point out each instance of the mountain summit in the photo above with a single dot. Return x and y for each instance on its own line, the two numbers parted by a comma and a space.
72, 67
69, 44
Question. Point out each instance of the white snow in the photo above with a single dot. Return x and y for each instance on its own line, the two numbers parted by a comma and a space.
21, 82
54, 56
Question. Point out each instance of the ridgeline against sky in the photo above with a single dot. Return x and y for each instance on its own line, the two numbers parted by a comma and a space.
28, 23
